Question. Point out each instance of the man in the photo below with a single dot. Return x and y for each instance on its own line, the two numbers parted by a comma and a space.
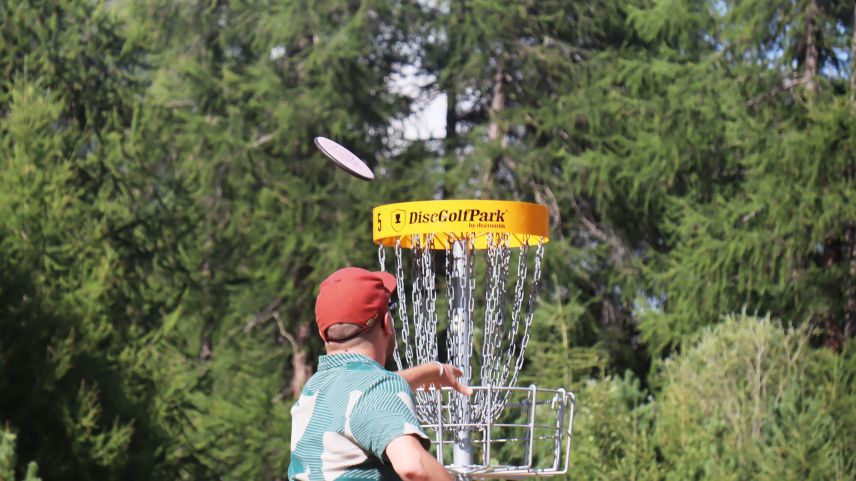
355, 419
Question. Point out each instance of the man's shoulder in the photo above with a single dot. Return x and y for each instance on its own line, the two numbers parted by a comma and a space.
357, 376
381, 382
391, 380
376, 378
388, 392
372, 371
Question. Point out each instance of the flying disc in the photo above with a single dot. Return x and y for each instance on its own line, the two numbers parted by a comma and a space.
344, 158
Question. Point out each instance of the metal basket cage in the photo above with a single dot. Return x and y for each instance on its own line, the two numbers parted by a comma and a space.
532, 435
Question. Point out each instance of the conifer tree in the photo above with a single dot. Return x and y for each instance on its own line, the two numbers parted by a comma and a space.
776, 234
267, 216
79, 234
508, 71
665, 154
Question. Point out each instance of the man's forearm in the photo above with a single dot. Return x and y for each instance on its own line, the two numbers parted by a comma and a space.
420, 375
413, 463
439, 375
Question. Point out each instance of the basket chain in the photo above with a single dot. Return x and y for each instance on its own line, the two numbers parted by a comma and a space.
402, 310
503, 345
530, 311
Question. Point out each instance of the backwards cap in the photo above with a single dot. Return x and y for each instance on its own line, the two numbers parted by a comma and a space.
352, 296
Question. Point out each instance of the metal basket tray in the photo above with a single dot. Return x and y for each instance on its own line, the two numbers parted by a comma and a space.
530, 437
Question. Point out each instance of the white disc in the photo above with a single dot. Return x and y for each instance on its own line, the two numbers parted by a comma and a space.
344, 158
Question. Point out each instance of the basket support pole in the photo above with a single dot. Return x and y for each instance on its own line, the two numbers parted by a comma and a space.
462, 451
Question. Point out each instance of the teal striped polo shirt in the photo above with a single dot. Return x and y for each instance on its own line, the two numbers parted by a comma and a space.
347, 414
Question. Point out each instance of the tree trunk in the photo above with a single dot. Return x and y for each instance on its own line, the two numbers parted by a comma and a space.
450, 142
451, 116
812, 49
300, 364
495, 132
849, 328
497, 105
206, 350
853, 60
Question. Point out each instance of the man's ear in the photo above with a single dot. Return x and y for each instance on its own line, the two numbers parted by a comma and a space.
388, 327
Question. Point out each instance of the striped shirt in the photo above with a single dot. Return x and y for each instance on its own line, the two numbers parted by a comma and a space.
347, 414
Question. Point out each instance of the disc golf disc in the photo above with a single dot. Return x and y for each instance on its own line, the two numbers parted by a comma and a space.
344, 158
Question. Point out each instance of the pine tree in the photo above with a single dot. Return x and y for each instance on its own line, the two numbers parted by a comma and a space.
512, 74
239, 93
777, 236
77, 234
614, 431
684, 204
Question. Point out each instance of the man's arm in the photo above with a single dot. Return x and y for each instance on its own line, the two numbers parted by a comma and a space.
436, 374
413, 463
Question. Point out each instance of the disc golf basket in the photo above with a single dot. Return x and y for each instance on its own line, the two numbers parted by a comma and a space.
443, 247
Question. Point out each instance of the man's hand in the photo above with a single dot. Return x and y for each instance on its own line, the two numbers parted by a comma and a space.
434, 373
412, 462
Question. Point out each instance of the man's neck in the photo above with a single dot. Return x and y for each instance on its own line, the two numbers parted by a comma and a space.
367, 351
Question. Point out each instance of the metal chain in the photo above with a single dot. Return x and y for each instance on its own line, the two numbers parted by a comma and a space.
424, 298
459, 335
422, 403
451, 300
490, 324
381, 257
432, 354
402, 307
498, 256
456, 323
471, 275
490, 311
522, 271
450, 297
530, 311
427, 349
530, 308
506, 329
501, 397
497, 274
470, 250
417, 293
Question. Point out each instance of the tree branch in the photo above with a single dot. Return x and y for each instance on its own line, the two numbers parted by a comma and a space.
601, 232
788, 85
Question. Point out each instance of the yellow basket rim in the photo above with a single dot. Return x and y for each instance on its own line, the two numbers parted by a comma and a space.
446, 221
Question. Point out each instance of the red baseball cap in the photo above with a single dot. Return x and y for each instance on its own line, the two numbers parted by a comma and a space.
352, 296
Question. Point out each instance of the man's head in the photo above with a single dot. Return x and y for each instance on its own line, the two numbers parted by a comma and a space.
350, 303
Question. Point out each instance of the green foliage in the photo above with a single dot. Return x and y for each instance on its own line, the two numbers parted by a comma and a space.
752, 400
7, 459
749, 399
697, 167
614, 431
778, 243
68, 279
